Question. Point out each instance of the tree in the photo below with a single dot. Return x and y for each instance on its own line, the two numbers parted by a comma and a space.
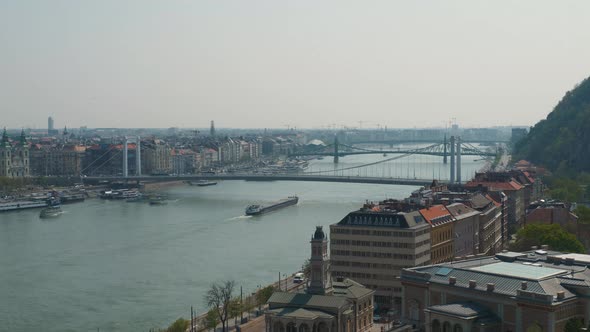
306, 268
180, 325
211, 320
218, 298
583, 213
264, 294
573, 325
552, 235
235, 307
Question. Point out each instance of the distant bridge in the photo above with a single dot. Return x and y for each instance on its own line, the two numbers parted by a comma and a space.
437, 149
421, 140
250, 177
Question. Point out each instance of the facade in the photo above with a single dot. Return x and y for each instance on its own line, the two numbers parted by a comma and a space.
442, 234
57, 160
539, 290
514, 191
490, 223
465, 232
156, 157
327, 305
372, 246
184, 161
14, 160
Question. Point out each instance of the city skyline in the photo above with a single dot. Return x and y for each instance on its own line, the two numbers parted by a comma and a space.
269, 64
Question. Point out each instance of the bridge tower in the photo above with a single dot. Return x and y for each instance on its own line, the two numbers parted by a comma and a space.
445, 150
336, 149
452, 178
458, 159
126, 142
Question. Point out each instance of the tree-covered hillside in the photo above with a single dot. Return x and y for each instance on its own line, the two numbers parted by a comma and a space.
562, 141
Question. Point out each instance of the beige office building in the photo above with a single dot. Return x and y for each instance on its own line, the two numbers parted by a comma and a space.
372, 246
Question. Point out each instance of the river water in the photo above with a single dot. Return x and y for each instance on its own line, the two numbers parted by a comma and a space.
118, 266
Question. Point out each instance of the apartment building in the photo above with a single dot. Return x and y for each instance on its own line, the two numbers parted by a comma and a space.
442, 234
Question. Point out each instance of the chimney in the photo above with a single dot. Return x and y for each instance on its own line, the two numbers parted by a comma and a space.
472, 283
560, 295
452, 280
523, 285
490, 287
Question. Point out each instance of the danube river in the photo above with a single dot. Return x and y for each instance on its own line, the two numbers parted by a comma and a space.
118, 266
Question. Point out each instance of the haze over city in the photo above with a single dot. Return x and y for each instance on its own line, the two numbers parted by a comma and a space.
302, 64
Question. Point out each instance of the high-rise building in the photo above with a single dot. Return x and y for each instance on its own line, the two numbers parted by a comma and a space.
50, 127
212, 130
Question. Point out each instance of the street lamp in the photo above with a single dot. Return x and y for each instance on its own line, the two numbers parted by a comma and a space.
259, 302
286, 286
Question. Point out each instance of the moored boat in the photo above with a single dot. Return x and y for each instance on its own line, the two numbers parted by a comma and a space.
158, 202
206, 183
21, 205
51, 212
253, 210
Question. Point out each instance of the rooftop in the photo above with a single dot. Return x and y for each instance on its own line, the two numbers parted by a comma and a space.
540, 275
520, 270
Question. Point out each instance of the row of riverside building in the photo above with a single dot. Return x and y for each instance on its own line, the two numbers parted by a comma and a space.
69, 156
434, 225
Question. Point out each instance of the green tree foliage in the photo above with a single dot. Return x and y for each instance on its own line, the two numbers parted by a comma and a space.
583, 213
552, 235
566, 190
306, 268
211, 320
235, 307
562, 141
180, 325
573, 325
264, 294
218, 298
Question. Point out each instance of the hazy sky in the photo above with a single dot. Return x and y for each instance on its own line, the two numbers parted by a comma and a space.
116, 63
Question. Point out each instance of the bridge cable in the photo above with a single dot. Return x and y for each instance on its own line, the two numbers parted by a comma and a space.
373, 163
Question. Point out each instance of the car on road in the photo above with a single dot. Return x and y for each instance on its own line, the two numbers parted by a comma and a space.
299, 278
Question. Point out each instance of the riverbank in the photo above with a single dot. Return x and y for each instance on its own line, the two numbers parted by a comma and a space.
251, 306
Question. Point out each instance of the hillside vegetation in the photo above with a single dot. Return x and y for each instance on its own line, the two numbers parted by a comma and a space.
562, 141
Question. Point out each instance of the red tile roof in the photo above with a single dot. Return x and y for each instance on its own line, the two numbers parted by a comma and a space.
436, 214
504, 186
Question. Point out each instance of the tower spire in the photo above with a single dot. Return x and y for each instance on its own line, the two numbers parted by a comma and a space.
320, 282
5, 138
23, 137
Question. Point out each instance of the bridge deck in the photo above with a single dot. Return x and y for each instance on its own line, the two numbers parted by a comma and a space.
248, 177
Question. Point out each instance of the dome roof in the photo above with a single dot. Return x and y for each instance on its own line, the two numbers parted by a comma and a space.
316, 142
319, 233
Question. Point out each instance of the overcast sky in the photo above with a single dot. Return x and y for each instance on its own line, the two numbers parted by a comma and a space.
273, 63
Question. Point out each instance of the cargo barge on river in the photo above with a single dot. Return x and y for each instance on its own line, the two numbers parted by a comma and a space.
253, 210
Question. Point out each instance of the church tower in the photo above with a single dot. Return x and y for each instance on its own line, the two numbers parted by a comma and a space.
5, 155
22, 151
320, 282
